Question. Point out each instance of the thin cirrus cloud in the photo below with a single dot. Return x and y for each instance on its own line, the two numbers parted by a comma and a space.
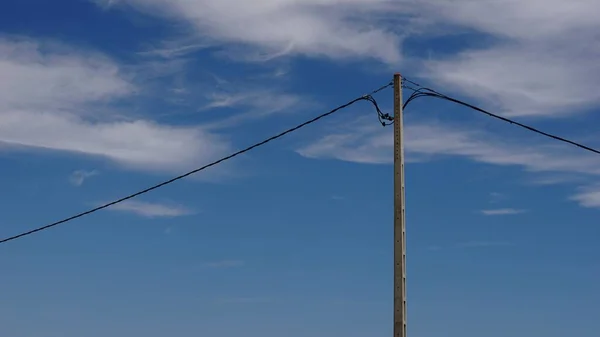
536, 65
151, 210
522, 80
78, 177
502, 211
253, 100
316, 28
63, 79
363, 142
588, 196
46, 96
532, 62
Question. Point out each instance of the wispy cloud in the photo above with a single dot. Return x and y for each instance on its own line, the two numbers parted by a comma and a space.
428, 140
502, 211
360, 142
536, 51
364, 142
277, 28
49, 91
588, 196
531, 49
225, 264
151, 210
523, 80
173, 49
78, 177
259, 103
140, 144
554, 179
61, 79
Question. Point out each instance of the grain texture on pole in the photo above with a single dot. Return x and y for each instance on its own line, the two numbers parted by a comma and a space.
399, 215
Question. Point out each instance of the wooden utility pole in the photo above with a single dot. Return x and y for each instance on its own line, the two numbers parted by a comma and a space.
399, 215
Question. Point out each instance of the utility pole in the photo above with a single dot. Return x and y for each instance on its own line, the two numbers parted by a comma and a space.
399, 215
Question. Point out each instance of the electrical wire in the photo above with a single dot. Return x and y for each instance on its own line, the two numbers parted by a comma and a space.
367, 97
384, 119
427, 92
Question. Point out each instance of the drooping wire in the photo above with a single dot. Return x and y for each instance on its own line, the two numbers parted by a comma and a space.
384, 118
367, 97
427, 92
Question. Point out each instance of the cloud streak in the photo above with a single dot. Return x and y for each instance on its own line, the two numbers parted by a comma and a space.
534, 63
315, 28
363, 142
78, 177
429, 140
47, 96
502, 211
151, 210
256, 103
588, 196
530, 51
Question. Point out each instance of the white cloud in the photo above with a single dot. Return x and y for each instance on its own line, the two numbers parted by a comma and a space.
538, 57
63, 79
332, 28
173, 49
533, 19
502, 211
259, 104
265, 100
137, 144
48, 98
524, 79
542, 63
78, 177
588, 196
360, 143
365, 142
560, 178
151, 210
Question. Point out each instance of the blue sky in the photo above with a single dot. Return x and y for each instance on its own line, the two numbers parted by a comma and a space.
102, 98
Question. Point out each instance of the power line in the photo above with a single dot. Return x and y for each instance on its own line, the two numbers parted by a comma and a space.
427, 92
367, 97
